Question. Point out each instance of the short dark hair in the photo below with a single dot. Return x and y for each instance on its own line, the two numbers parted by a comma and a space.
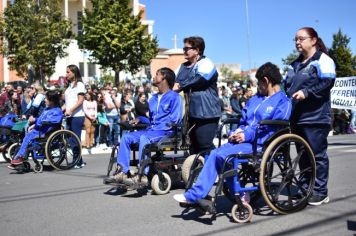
271, 71
168, 75
54, 96
196, 42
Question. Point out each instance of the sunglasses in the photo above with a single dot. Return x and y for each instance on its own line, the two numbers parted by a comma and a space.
186, 49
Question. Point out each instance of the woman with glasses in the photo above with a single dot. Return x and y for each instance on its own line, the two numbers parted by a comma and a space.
74, 98
309, 81
197, 77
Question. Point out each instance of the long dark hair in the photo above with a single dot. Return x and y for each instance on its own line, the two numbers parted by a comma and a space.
75, 70
319, 43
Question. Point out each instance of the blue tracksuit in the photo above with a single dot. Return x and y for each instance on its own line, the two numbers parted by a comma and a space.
275, 107
199, 82
51, 115
311, 118
164, 110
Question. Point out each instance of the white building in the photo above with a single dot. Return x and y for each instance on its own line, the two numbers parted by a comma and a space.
73, 9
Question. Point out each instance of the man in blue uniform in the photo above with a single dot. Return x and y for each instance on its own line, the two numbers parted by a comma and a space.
269, 104
165, 109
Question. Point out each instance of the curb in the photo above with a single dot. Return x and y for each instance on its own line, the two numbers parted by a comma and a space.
85, 152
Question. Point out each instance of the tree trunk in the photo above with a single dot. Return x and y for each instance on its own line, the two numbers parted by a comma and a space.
117, 77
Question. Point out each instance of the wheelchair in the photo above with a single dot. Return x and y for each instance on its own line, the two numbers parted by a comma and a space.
273, 171
164, 165
10, 135
59, 147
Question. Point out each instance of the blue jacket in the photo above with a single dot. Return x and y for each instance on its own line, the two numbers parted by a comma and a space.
315, 78
8, 120
275, 107
164, 111
49, 115
199, 82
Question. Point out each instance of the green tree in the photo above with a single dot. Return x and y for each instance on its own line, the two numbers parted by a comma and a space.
34, 33
289, 59
116, 38
226, 73
342, 55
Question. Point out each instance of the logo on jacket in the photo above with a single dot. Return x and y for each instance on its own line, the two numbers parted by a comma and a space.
269, 109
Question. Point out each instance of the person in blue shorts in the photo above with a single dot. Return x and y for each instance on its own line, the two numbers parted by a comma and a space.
165, 109
270, 103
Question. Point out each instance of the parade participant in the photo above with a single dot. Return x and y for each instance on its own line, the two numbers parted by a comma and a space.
269, 104
165, 109
51, 114
74, 98
197, 78
309, 81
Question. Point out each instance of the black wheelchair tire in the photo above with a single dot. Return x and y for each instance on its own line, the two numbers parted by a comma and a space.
58, 164
289, 164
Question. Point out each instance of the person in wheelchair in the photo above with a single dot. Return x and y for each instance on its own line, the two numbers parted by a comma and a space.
52, 114
270, 103
165, 109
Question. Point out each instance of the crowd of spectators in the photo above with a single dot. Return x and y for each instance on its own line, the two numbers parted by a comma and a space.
107, 105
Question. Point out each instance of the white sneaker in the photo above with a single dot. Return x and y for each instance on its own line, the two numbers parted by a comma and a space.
180, 198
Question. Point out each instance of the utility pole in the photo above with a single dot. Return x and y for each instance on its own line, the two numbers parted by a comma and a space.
248, 38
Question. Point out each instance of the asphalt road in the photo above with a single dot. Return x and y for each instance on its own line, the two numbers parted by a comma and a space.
75, 202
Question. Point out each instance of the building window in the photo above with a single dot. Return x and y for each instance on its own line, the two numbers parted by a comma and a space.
79, 22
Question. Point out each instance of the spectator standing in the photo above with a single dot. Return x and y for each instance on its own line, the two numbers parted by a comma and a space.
90, 110
112, 108
141, 105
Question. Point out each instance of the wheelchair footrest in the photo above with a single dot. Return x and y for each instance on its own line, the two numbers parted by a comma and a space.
202, 205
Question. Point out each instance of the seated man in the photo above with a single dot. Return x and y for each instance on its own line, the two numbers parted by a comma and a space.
269, 104
165, 109
52, 114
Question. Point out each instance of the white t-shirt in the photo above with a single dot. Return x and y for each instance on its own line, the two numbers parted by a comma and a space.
71, 98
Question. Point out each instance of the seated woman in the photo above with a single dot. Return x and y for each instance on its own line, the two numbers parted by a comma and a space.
269, 104
52, 114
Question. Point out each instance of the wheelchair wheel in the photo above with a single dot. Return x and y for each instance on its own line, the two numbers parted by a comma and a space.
281, 174
161, 187
187, 165
112, 160
4, 152
63, 149
12, 150
38, 168
242, 214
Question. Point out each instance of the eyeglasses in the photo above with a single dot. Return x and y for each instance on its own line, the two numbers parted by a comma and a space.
186, 49
300, 39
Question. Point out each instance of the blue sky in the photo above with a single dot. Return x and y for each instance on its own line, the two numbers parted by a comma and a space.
273, 24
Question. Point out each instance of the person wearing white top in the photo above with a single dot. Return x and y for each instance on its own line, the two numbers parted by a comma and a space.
74, 98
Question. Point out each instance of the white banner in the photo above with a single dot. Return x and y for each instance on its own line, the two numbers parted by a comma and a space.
343, 94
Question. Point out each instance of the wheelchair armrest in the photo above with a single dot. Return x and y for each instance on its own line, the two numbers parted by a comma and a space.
234, 120
275, 122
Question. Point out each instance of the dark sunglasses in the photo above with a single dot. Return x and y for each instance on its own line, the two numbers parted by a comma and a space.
186, 49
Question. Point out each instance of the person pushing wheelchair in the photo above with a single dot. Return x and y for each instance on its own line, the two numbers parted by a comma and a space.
165, 109
270, 103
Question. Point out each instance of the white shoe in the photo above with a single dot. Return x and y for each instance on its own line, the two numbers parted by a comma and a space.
180, 198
